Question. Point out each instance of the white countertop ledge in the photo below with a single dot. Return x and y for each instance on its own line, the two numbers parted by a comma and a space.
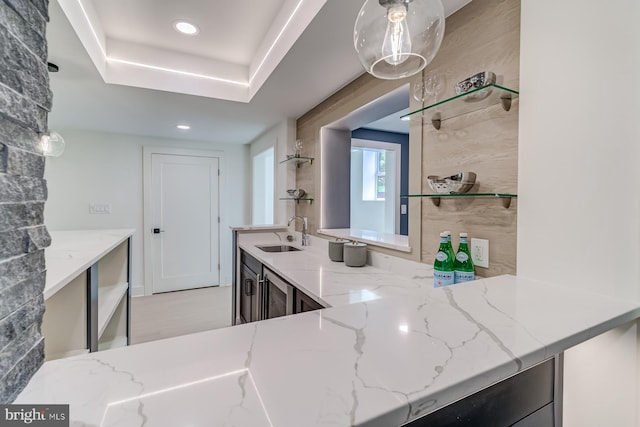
374, 363
265, 227
74, 251
384, 240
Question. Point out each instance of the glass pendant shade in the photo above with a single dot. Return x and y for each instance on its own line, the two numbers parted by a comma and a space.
52, 144
398, 38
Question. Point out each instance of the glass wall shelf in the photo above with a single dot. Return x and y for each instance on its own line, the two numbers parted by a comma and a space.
297, 160
474, 100
297, 199
435, 198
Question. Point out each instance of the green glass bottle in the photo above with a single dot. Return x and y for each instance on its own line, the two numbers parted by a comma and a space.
450, 246
463, 264
443, 265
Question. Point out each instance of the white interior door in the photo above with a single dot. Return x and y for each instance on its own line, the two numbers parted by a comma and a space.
184, 213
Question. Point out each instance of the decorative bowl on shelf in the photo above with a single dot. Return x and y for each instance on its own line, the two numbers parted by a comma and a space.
453, 184
475, 82
297, 193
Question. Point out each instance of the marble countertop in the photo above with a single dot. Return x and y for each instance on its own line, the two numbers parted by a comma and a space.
333, 283
378, 362
73, 251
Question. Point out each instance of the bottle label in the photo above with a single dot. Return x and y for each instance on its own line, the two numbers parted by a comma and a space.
464, 276
441, 256
442, 278
462, 257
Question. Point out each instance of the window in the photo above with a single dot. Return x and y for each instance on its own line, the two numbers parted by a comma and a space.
263, 187
374, 202
373, 174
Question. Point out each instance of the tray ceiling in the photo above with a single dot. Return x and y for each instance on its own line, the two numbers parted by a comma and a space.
238, 46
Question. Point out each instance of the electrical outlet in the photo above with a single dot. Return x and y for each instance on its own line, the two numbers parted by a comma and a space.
403, 209
480, 252
99, 208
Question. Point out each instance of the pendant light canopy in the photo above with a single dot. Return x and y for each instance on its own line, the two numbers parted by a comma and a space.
398, 38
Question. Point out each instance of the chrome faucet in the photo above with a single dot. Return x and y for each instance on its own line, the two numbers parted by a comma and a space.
305, 238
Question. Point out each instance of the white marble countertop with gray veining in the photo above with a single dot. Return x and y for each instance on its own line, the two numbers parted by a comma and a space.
74, 251
333, 283
378, 362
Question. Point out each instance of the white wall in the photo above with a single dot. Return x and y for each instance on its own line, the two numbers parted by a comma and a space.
282, 136
263, 170
107, 168
335, 178
578, 205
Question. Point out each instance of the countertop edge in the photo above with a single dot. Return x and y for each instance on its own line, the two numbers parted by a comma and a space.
51, 290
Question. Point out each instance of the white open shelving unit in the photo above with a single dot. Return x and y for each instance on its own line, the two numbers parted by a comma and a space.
87, 292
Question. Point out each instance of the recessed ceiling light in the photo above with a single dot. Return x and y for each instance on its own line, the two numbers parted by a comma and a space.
183, 127
186, 28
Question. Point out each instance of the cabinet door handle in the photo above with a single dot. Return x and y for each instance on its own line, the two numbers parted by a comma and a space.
247, 287
262, 296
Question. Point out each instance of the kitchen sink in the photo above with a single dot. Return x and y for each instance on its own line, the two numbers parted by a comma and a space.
278, 248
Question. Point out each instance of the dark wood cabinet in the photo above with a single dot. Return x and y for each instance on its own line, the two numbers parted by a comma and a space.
305, 303
250, 276
248, 294
263, 294
524, 400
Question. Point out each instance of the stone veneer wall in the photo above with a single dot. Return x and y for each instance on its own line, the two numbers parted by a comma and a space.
25, 100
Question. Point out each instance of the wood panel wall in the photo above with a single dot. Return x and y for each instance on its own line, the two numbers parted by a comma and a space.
484, 35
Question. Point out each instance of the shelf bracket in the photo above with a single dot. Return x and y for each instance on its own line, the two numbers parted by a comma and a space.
310, 161
436, 121
435, 201
506, 103
506, 202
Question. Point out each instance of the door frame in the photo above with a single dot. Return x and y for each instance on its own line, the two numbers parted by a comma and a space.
147, 153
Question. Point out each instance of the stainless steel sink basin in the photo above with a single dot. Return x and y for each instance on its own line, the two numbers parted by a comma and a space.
277, 248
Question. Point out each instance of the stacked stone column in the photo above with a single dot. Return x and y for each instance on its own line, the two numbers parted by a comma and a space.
25, 100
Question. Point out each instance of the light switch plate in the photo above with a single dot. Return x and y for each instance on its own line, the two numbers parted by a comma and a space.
99, 208
480, 252
403, 209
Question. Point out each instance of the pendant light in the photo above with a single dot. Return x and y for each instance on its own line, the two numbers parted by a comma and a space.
398, 38
52, 144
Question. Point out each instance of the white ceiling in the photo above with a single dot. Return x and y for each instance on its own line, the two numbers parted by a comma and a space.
227, 32
316, 64
391, 123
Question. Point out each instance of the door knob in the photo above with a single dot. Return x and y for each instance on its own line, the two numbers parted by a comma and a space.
157, 231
